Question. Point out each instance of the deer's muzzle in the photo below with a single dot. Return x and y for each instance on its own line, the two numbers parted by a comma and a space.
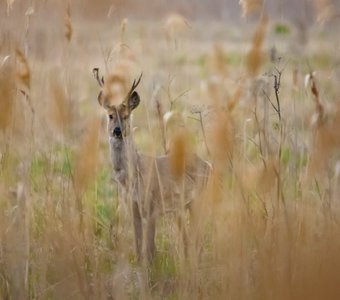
117, 132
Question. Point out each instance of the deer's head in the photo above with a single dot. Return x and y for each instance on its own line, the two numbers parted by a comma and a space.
119, 114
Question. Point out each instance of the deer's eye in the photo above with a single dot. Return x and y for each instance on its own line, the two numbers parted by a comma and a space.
110, 117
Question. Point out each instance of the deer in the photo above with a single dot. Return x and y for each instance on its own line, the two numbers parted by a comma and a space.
146, 181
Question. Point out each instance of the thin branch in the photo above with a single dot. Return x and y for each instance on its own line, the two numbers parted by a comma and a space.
179, 96
204, 135
200, 120
260, 142
270, 101
277, 83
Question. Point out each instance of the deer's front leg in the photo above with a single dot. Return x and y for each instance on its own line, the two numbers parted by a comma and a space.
138, 230
150, 232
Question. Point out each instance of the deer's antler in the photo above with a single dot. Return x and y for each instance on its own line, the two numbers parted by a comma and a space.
135, 84
100, 81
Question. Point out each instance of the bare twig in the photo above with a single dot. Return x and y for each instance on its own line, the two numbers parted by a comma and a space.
270, 101
203, 132
316, 96
277, 83
159, 110
260, 142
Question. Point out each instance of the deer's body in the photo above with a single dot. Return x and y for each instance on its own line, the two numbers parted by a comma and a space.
147, 181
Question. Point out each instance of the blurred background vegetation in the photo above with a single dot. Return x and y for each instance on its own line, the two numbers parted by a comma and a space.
256, 84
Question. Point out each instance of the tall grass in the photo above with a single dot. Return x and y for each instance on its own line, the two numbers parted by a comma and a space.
266, 225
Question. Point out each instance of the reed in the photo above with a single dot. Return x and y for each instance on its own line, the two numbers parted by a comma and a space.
264, 224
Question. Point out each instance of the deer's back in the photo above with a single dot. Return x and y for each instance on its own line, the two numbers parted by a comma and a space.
158, 183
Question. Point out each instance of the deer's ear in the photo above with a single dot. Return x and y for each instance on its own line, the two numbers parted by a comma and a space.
133, 101
100, 81
99, 98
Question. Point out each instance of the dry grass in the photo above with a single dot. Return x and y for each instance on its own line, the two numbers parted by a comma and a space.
7, 84
60, 110
23, 73
255, 56
250, 7
178, 152
68, 24
266, 225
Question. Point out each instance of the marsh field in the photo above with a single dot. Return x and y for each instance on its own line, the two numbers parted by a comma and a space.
258, 98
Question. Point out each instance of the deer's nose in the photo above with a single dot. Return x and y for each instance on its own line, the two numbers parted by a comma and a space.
117, 132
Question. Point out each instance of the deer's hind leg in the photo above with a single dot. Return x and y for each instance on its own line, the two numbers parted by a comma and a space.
150, 232
181, 225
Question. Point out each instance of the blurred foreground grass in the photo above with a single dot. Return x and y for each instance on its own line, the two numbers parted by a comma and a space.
268, 223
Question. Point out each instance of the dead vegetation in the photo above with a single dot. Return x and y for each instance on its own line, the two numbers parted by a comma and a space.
267, 226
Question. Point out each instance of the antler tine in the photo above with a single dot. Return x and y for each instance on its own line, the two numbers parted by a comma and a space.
95, 72
135, 83
139, 79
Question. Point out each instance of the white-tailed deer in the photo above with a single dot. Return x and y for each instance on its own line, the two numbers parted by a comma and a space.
146, 181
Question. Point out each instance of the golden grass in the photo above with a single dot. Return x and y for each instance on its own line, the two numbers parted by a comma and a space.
60, 109
218, 61
87, 156
255, 56
266, 225
23, 72
325, 10
7, 92
68, 24
221, 138
178, 152
250, 7
175, 25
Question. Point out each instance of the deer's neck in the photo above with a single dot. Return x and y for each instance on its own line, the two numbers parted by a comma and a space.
124, 159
